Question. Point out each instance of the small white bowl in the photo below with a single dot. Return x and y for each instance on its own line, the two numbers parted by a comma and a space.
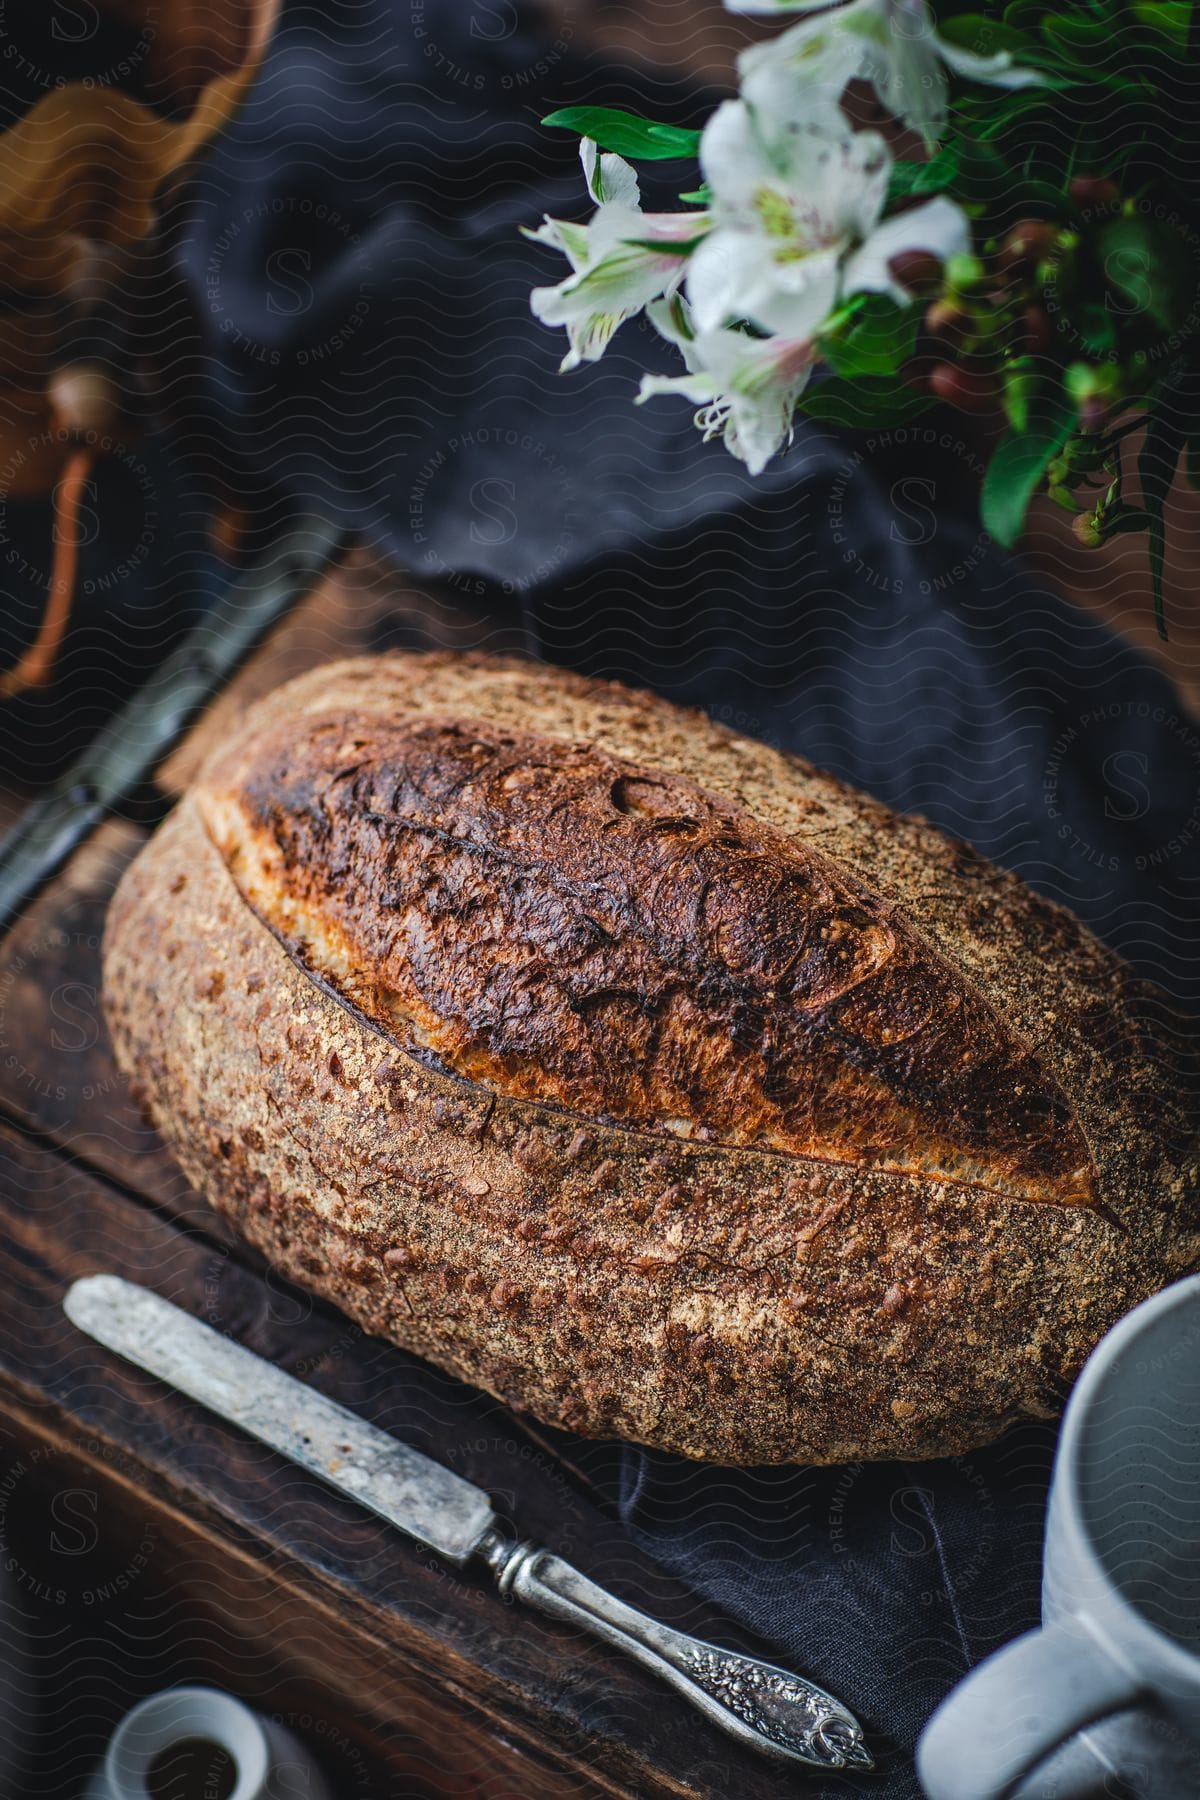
267, 1758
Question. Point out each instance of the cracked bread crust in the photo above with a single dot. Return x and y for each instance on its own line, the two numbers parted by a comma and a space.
823, 1139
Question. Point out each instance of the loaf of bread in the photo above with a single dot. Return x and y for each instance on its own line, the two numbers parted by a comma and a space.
643, 1075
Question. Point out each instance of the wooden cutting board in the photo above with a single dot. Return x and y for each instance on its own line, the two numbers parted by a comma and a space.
153, 1544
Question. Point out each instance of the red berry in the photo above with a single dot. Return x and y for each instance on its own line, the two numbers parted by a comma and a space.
971, 390
1093, 190
917, 271
1034, 332
1092, 412
947, 320
1027, 244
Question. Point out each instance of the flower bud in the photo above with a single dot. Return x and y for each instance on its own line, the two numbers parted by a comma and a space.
1093, 190
1034, 331
1094, 387
1028, 243
973, 391
948, 321
917, 271
964, 271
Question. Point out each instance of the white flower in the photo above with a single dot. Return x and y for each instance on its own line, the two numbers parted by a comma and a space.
939, 226
745, 387
788, 202
894, 44
795, 222
621, 259
610, 179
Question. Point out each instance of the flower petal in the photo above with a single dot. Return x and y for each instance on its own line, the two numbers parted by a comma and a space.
593, 302
727, 275
672, 319
562, 234
608, 177
697, 385
790, 196
746, 387
997, 71
761, 379
816, 59
902, 62
732, 158
734, 275
939, 226
778, 8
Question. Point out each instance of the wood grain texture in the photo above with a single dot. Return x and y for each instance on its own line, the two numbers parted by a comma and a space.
259, 1581
364, 604
446, 1677
58, 1075
173, 1595
515, 1216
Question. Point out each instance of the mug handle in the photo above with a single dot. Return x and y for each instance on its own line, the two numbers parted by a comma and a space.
1011, 1712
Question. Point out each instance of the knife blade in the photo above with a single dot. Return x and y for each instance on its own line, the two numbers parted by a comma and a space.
139, 735
767, 1708
426, 1500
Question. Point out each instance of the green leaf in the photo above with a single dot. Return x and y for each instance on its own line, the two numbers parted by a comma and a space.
983, 173
1022, 15
1169, 17
1131, 519
880, 336
864, 404
1020, 461
1096, 328
1150, 269
985, 37
1157, 462
626, 134
910, 179
1021, 387
667, 246
1081, 43
1191, 462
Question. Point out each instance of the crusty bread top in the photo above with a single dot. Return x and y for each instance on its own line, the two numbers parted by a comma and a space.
571, 893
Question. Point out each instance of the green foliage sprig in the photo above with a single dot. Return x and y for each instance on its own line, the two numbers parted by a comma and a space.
1066, 145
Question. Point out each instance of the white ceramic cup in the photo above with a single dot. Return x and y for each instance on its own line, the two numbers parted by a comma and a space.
270, 1763
1121, 1585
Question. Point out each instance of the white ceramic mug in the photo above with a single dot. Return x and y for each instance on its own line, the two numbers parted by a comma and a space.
1121, 1587
261, 1759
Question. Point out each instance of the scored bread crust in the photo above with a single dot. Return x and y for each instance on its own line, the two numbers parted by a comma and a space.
647, 1235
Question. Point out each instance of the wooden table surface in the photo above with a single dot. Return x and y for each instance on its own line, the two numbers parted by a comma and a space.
151, 1543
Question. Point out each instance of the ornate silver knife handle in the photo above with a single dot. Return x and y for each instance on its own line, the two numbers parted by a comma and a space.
766, 1708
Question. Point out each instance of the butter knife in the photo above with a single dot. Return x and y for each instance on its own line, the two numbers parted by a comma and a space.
764, 1707
154, 718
